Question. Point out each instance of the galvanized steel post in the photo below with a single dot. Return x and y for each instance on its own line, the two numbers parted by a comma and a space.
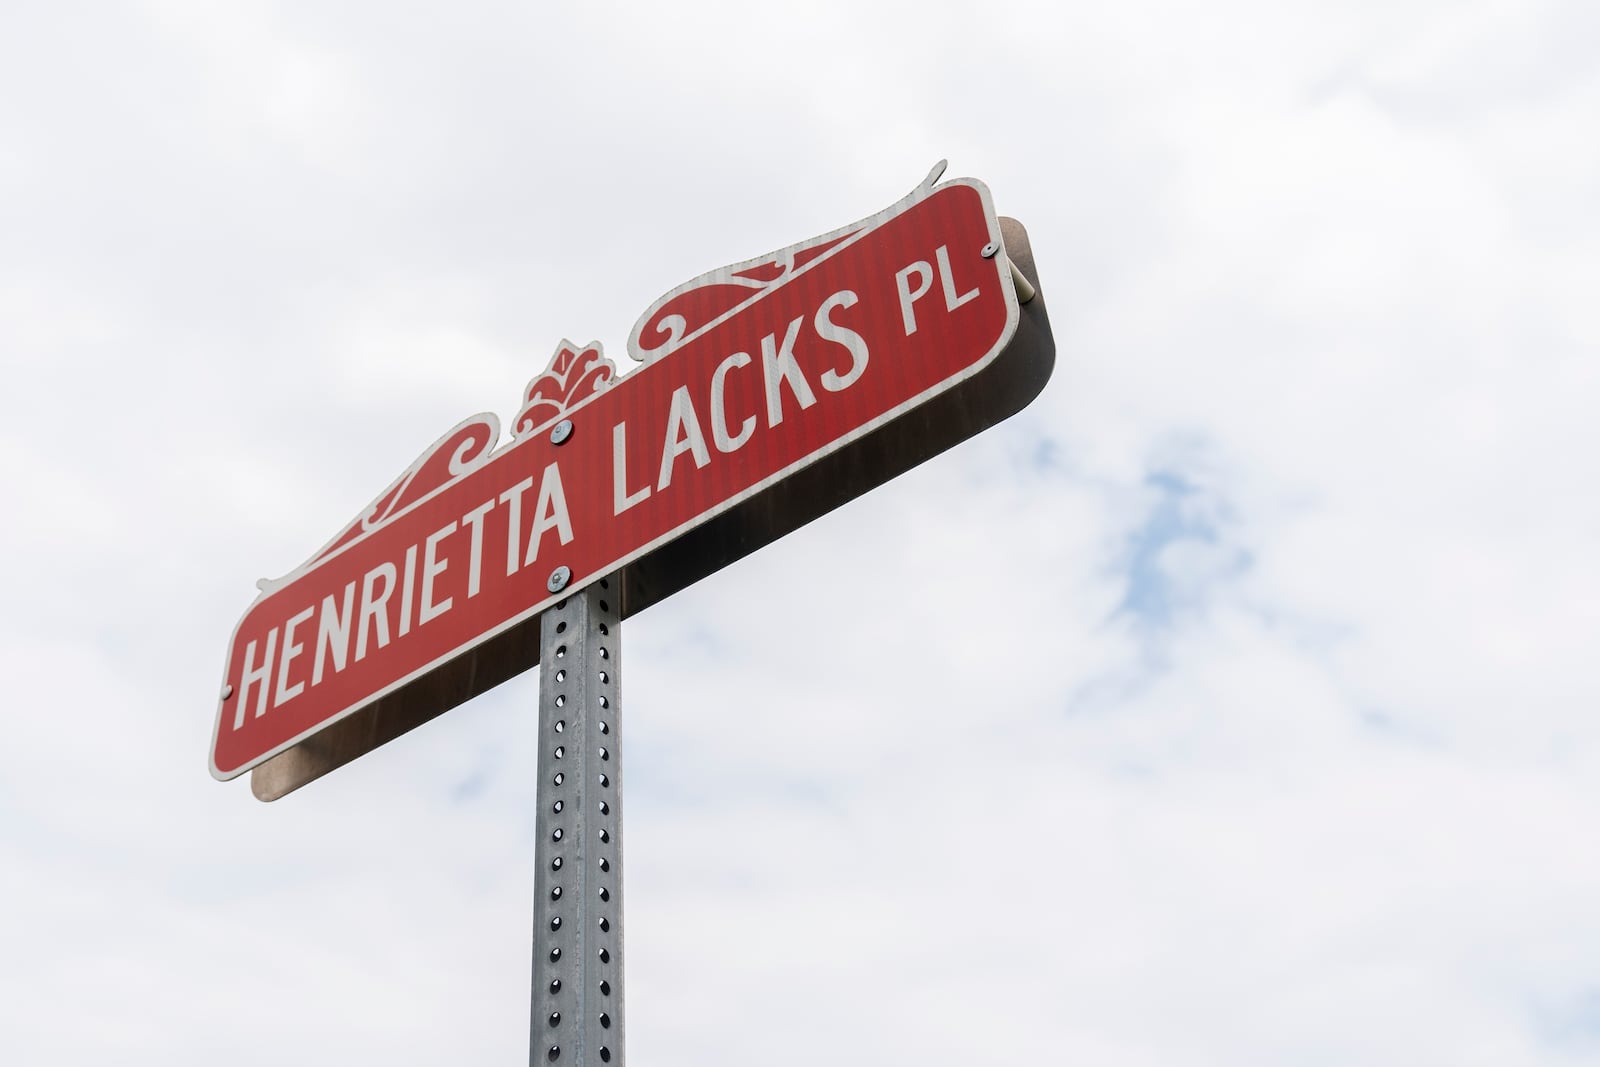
577, 916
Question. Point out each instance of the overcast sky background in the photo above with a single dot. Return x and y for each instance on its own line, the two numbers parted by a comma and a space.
1235, 703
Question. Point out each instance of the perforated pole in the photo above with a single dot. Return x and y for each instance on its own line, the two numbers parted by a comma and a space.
577, 916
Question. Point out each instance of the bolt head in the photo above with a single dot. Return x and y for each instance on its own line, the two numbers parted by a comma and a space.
991, 249
227, 691
559, 579
561, 431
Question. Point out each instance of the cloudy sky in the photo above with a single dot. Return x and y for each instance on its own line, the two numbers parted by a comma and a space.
1235, 703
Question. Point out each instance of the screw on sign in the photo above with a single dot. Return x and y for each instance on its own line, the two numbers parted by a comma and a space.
767, 393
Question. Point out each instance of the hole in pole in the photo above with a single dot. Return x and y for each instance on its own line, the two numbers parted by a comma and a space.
559, 778
561, 726
605, 955
605, 1020
605, 1054
605, 989
555, 986
555, 1018
554, 1053
605, 894
555, 894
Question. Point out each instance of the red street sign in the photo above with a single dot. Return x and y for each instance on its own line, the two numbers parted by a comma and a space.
769, 392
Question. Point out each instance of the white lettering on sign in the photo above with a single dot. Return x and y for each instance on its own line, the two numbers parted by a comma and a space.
414, 587
780, 371
924, 271
375, 609
853, 342
792, 368
907, 297
418, 579
550, 514
333, 633
512, 498
777, 367
432, 567
948, 281
291, 649
728, 406
622, 500
258, 676
683, 435
474, 519
408, 592
719, 406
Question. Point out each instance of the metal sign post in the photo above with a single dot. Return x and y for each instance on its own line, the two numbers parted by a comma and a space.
577, 914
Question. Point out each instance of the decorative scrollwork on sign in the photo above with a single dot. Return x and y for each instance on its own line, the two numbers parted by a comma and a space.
464, 449
697, 304
677, 316
574, 374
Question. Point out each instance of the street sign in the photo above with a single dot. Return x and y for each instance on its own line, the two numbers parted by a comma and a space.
768, 392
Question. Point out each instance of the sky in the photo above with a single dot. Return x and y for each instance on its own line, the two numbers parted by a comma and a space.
1234, 703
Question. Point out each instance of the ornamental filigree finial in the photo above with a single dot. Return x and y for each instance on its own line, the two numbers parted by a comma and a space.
574, 374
